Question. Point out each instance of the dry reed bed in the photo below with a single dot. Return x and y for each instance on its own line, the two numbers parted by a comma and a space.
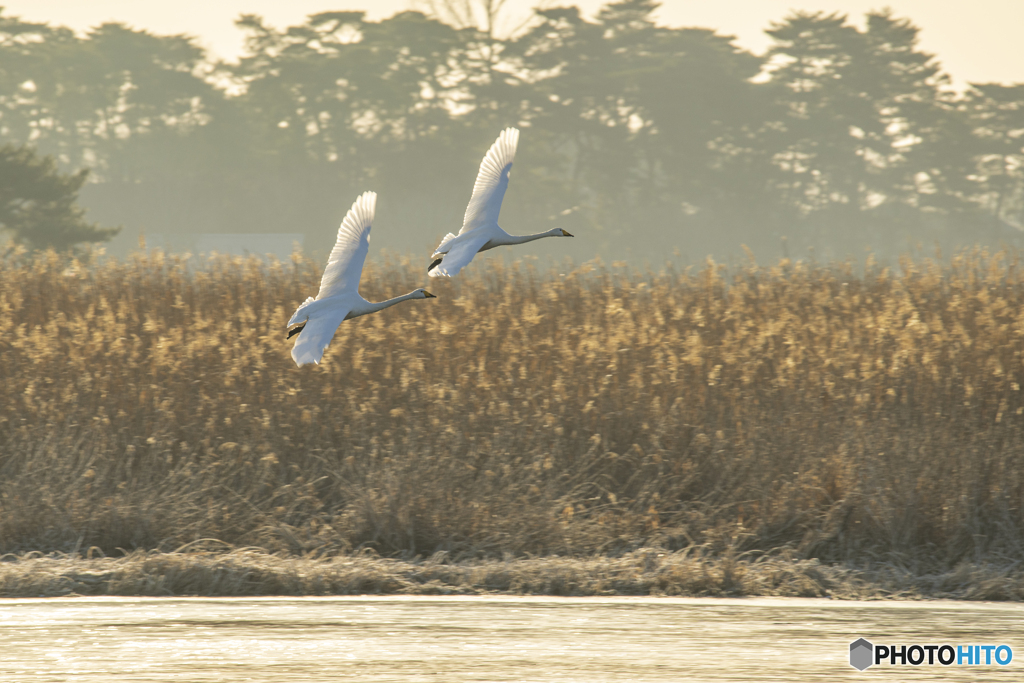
865, 418
249, 572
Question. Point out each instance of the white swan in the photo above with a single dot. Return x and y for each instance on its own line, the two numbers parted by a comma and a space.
338, 299
480, 230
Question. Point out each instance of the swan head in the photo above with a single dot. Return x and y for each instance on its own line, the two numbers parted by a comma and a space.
566, 233
423, 294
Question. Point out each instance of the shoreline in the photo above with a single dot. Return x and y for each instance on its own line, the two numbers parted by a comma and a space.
644, 573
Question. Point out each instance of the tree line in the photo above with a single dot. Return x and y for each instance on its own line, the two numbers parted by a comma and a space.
639, 137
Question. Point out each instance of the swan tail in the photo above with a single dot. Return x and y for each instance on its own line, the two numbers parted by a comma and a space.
458, 257
441, 247
299, 316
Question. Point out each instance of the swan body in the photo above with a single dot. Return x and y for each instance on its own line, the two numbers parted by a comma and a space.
480, 230
316, 320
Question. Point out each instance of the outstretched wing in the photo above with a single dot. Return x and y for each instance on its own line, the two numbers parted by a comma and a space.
458, 257
316, 335
345, 264
491, 182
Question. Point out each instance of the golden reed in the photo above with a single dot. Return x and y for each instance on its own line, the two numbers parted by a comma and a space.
845, 413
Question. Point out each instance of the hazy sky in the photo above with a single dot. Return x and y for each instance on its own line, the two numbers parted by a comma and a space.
978, 41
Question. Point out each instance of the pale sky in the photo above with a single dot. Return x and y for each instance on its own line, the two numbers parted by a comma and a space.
977, 41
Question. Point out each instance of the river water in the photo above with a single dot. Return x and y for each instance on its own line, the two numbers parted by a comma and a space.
486, 639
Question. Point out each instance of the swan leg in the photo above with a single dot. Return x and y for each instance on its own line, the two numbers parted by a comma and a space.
295, 330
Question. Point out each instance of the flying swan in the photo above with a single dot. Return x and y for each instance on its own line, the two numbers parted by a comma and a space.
480, 230
338, 299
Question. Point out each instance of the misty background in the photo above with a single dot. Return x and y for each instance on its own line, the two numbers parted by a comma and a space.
639, 139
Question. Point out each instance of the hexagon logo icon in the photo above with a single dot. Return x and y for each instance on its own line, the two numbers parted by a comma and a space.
861, 654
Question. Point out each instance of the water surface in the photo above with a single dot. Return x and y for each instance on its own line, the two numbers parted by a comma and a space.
484, 639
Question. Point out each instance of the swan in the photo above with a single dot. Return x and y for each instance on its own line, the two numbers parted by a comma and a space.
480, 230
338, 299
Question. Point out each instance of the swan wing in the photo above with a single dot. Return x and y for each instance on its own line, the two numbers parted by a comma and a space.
491, 182
461, 251
345, 264
316, 335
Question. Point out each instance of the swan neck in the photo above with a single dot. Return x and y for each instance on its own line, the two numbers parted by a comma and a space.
381, 305
522, 239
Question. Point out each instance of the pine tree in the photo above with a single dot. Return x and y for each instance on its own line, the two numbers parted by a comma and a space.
37, 203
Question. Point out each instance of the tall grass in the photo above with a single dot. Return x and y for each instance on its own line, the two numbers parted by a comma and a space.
838, 413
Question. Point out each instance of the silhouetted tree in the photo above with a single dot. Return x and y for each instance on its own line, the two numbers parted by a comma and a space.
117, 100
655, 124
998, 177
37, 203
635, 135
863, 151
